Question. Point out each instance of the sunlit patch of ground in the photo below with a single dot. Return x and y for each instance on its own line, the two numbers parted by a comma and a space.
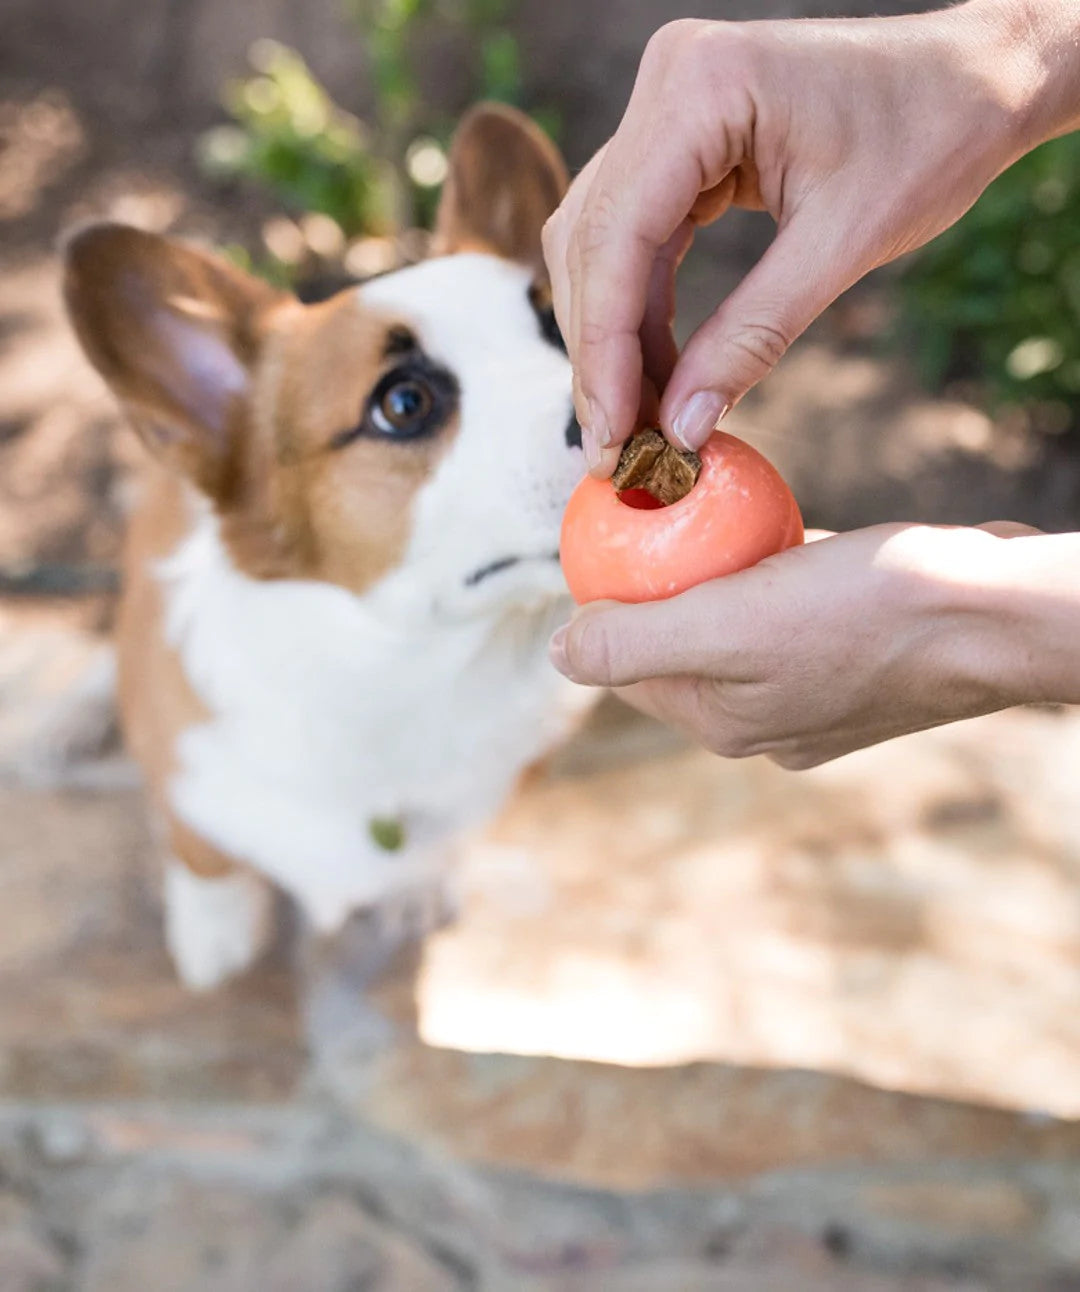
909, 915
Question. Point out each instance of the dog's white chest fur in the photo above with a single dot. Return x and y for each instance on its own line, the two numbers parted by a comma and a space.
324, 718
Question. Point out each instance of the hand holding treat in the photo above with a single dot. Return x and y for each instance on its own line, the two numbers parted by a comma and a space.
863, 138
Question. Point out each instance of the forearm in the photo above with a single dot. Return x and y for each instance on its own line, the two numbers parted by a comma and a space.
1040, 578
1035, 46
1019, 601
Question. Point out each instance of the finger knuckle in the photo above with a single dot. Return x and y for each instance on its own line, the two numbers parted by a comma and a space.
599, 220
667, 42
761, 344
703, 58
692, 51
592, 649
592, 333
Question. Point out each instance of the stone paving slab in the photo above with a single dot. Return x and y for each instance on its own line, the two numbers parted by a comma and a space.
89, 1004
217, 1199
174, 1235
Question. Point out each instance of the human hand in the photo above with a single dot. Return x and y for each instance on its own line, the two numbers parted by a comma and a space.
850, 640
863, 138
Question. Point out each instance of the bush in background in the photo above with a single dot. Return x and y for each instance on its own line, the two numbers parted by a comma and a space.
356, 191
995, 301
292, 137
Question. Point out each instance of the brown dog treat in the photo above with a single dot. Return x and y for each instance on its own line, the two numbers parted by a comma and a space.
649, 462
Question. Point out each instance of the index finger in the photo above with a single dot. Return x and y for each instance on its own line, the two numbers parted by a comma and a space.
639, 198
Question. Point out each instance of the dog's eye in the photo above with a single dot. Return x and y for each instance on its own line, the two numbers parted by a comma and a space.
406, 404
412, 400
403, 408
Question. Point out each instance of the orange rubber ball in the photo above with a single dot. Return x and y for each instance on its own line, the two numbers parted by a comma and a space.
630, 547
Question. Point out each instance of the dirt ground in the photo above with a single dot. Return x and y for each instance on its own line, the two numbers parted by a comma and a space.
908, 919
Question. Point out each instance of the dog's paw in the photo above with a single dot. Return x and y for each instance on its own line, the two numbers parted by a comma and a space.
215, 928
413, 913
347, 975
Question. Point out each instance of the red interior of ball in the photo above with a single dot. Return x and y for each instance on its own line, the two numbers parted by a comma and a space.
640, 500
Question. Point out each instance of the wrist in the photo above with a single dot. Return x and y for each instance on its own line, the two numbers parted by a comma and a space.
1031, 50
1010, 614
1036, 595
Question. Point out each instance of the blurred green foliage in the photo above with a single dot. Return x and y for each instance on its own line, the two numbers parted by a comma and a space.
374, 177
996, 299
290, 135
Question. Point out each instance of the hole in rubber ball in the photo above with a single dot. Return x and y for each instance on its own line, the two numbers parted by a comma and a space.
640, 500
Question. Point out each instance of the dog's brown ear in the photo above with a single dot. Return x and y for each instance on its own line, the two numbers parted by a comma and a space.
175, 334
506, 177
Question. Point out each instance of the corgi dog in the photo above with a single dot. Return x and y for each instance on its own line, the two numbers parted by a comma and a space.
342, 575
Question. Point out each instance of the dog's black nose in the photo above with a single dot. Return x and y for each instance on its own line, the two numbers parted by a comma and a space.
573, 432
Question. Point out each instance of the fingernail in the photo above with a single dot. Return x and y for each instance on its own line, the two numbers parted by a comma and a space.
599, 462
699, 417
590, 448
598, 424
557, 650
609, 460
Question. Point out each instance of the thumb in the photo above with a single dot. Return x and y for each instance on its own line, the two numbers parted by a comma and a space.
611, 644
804, 270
